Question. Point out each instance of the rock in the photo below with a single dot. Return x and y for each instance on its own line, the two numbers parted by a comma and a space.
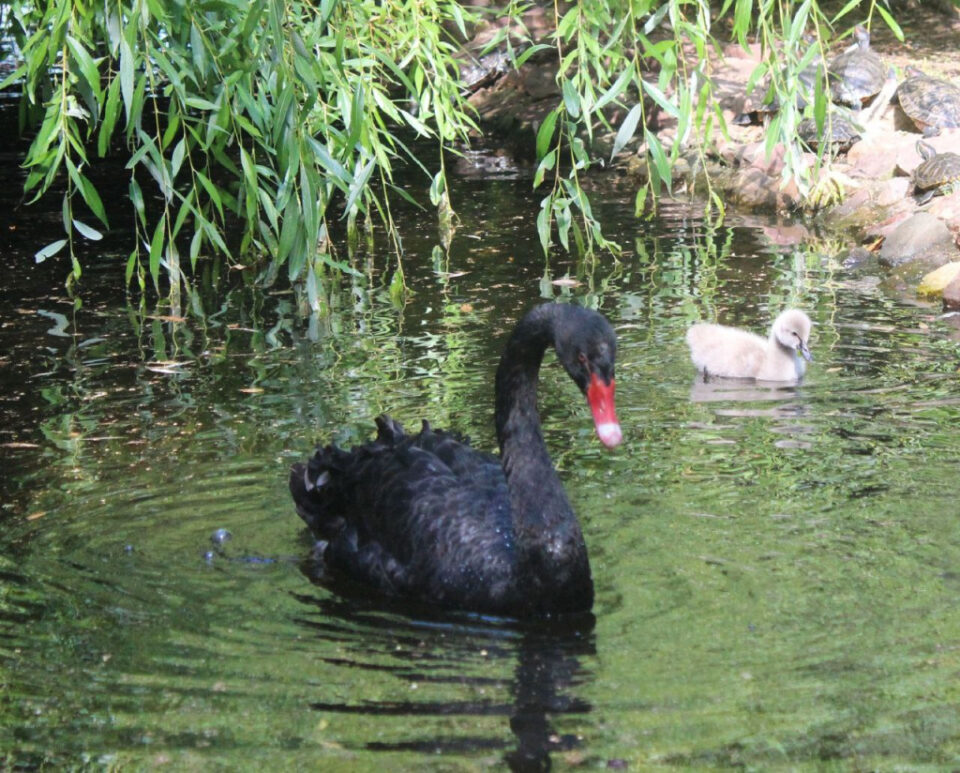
753, 189
873, 205
947, 208
753, 52
920, 237
857, 257
951, 295
935, 282
879, 154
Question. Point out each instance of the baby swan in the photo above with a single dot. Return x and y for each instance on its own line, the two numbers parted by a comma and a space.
717, 350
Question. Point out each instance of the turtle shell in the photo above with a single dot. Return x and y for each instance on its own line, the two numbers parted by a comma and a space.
931, 103
937, 171
843, 133
857, 74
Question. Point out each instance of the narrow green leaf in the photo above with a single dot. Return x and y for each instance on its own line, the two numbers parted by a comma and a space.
200, 104
131, 265
615, 90
92, 198
288, 230
528, 52
110, 114
545, 132
211, 190
91, 233
195, 243
437, 187
561, 208
851, 4
627, 129
13, 77
156, 250
660, 161
639, 202
198, 51
177, 158
546, 164
359, 184
126, 77
661, 99
86, 65
397, 288
136, 196
543, 223
571, 99
891, 22
50, 250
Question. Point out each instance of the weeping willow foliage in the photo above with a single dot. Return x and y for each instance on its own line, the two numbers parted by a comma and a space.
251, 128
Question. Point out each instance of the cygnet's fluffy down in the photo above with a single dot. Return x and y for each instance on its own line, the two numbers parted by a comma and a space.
726, 352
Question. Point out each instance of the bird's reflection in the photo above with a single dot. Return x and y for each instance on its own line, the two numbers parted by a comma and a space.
740, 390
547, 670
468, 652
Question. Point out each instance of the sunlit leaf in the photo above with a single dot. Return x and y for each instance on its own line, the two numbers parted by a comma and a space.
545, 132
627, 129
91, 233
50, 250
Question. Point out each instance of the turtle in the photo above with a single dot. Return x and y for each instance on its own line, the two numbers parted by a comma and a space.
478, 73
843, 132
806, 83
856, 75
932, 104
937, 173
807, 79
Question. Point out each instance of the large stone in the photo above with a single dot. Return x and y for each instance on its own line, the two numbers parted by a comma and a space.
879, 154
873, 205
920, 237
934, 283
951, 295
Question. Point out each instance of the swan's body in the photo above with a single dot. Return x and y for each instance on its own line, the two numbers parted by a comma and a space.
727, 352
425, 517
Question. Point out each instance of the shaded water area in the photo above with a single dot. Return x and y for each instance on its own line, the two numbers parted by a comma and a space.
776, 568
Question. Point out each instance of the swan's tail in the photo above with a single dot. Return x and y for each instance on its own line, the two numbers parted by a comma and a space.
321, 486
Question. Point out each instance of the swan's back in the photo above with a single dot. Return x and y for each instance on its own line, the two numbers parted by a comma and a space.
421, 516
726, 352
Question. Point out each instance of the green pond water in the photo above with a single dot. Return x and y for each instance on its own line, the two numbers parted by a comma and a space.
777, 569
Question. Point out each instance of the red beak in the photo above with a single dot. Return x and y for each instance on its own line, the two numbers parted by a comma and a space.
600, 398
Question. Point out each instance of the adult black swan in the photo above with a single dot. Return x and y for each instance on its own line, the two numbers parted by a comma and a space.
428, 518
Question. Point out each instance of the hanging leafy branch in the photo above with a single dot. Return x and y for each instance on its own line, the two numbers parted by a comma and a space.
251, 128
275, 116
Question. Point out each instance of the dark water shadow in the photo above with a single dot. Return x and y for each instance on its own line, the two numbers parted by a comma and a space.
433, 649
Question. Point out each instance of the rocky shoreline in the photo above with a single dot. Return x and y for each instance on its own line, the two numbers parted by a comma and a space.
876, 212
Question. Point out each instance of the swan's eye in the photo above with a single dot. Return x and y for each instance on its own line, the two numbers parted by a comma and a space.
583, 358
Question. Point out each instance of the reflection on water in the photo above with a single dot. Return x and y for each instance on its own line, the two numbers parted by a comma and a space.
422, 654
775, 566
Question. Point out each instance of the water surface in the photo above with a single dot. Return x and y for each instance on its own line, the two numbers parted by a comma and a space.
776, 567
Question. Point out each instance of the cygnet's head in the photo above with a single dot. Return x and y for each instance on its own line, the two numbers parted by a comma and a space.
792, 329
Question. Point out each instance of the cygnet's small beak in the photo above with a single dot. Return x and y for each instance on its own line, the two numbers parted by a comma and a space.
805, 352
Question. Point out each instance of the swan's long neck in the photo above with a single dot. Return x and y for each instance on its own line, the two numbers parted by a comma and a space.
537, 497
784, 353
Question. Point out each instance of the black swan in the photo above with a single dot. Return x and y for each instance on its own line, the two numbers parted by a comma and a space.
427, 518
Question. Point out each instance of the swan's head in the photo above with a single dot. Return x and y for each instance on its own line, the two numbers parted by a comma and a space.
792, 330
587, 348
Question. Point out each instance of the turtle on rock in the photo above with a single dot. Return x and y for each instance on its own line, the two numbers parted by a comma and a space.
931, 103
754, 113
857, 75
937, 173
839, 131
